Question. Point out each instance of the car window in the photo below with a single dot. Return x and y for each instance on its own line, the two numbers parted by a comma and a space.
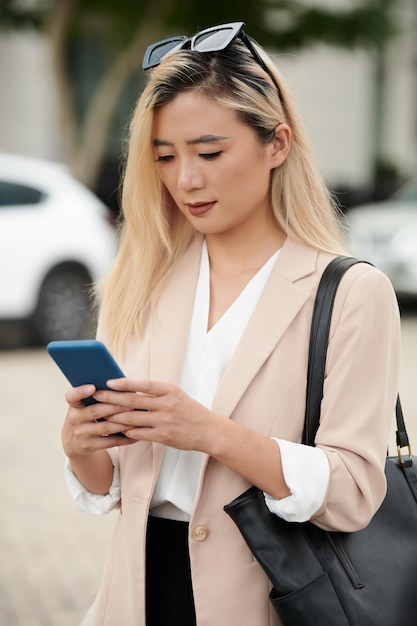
13, 194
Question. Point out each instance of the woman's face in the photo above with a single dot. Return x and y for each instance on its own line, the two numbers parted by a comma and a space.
213, 165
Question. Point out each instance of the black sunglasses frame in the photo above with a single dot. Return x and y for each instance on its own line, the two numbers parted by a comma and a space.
192, 43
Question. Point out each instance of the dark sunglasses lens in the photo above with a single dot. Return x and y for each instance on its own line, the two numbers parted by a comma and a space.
156, 52
214, 40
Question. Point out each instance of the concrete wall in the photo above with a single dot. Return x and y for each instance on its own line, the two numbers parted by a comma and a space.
29, 118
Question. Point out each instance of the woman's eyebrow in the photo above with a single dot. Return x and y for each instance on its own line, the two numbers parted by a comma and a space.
207, 139
203, 139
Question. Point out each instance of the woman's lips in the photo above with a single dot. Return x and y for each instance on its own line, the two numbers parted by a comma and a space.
199, 208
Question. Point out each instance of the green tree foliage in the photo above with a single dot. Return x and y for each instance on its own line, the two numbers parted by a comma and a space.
124, 28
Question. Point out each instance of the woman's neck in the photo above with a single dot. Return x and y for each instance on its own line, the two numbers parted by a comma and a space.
232, 256
233, 265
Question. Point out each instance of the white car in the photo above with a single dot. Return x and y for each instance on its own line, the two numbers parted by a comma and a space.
385, 233
56, 238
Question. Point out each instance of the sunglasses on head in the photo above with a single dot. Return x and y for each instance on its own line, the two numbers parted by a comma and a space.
211, 39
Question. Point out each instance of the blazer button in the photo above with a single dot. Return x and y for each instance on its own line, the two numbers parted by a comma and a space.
199, 533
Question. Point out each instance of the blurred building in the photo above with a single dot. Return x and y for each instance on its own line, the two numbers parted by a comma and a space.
29, 117
351, 113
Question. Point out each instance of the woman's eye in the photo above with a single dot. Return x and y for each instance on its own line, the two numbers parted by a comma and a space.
210, 155
164, 157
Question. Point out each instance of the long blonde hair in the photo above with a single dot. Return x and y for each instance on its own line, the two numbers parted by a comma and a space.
154, 233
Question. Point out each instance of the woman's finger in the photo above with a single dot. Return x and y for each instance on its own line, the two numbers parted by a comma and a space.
75, 395
147, 387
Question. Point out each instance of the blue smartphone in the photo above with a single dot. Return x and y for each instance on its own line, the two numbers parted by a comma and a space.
85, 361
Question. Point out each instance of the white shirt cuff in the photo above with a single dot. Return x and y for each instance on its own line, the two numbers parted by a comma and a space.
306, 471
91, 502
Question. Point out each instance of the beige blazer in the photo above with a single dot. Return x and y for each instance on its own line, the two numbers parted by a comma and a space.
262, 388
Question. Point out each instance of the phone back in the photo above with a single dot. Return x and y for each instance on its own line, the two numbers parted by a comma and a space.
85, 362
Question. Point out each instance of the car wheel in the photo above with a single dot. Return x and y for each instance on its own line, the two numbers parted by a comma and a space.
64, 306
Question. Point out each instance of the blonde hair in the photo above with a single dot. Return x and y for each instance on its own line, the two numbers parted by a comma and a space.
154, 233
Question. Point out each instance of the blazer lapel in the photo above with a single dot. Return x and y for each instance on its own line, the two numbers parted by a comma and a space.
280, 302
170, 322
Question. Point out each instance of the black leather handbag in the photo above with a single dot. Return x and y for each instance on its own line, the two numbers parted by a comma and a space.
320, 578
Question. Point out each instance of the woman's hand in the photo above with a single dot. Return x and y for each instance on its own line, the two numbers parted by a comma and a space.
86, 428
160, 412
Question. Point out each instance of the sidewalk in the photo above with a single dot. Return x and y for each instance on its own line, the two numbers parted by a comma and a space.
51, 555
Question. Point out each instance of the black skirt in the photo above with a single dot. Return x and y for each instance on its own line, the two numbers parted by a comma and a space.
169, 593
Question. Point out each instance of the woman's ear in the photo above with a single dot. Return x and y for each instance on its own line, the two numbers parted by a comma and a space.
281, 145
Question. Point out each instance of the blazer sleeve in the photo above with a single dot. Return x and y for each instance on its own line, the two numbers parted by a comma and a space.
360, 391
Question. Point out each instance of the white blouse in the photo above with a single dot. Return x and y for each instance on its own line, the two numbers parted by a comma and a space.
306, 469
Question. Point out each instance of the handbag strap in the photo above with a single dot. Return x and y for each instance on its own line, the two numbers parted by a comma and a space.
319, 335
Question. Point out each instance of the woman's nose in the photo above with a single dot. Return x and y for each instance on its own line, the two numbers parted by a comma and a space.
189, 177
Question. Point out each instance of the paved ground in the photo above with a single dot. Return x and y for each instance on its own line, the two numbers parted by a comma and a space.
51, 555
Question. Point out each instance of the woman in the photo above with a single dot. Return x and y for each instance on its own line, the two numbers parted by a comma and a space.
227, 230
